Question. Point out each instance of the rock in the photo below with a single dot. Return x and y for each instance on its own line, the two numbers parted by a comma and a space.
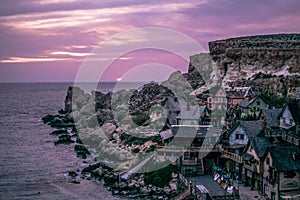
98, 172
64, 139
72, 174
60, 122
108, 129
46, 119
81, 151
119, 131
104, 116
72, 92
110, 179
257, 58
59, 132
88, 109
123, 186
92, 121
103, 101
145, 190
166, 190
116, 137
173, 185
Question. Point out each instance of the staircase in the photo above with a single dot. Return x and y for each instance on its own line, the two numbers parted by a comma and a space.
200, 167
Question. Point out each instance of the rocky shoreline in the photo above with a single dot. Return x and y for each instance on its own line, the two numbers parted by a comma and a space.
161, 184
106, 129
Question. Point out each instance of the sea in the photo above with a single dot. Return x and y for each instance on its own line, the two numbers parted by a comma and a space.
31, 166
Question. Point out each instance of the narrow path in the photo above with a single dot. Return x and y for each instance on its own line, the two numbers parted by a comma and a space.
136, 168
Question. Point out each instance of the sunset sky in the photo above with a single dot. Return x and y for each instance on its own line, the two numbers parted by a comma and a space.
47, 40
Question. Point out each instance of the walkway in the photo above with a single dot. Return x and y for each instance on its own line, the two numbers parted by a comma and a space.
216, 191
136, 168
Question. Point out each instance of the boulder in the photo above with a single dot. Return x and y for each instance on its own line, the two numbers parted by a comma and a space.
64, 139
173, 185
98, 172
59, 132
108, 129
104, 116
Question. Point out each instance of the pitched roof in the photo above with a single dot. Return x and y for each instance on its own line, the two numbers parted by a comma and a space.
283, 159
295, 111
251, 128
271, 116
248, 157
166, 134
260, 145
238, 92
247, 101
235, 94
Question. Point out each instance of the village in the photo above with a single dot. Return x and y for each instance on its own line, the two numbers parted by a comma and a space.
255, 145
227, 129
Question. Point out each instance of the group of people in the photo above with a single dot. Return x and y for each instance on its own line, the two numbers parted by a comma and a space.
224, 181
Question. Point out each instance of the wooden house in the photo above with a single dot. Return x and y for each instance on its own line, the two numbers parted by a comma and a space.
281, 177
290, 123
252, 106
234, 142
253, 161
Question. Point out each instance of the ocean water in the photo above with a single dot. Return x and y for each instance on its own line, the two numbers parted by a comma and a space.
31, 166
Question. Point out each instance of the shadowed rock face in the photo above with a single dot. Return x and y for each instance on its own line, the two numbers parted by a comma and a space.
270, 63
267, 53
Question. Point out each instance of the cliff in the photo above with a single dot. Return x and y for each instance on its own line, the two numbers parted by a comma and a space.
269, 62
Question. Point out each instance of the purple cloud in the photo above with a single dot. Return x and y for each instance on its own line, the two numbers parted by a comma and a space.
38, 34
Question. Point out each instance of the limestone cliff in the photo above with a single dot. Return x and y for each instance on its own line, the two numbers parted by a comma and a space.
268, 62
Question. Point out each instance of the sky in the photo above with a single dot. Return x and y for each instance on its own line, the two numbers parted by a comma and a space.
48, 40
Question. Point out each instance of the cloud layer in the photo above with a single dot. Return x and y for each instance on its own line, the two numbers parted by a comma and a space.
63, 32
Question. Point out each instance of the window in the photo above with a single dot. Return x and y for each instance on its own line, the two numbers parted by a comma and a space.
268, 161
239, 136
258, 103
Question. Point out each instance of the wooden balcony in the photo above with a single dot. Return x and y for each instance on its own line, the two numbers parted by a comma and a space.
273, 134
176, 149
229, 155
292, 138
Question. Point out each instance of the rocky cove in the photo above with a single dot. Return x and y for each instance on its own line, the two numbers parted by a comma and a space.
115, 151
114, 132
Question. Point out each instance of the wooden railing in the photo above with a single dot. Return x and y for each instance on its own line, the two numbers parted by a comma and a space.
235, 157
177, 149
291, 138
273, 134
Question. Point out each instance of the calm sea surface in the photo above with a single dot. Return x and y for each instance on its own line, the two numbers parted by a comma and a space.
31, 166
